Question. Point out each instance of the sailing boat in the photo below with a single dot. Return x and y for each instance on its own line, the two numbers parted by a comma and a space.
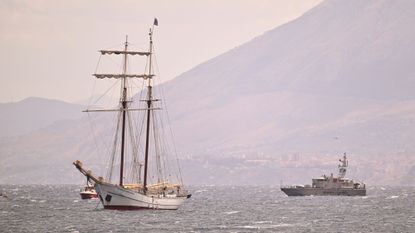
88, 191
141, 193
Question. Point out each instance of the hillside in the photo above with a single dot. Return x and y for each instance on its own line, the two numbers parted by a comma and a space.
341, 58
283, 106
18, 118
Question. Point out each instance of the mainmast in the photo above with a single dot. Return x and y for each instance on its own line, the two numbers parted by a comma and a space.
123, 109
149, 103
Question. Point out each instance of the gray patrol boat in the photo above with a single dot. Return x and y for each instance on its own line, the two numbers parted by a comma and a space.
329, 185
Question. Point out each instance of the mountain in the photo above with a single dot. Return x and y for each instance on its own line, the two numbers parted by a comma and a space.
283, 106
340, 58
18, 118
340, 48
337, 79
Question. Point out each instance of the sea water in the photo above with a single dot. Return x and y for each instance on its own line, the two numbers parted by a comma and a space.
44, 208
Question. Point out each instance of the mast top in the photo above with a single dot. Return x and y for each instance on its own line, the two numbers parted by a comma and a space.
342, 166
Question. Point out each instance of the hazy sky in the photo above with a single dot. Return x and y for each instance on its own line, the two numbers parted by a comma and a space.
49, 48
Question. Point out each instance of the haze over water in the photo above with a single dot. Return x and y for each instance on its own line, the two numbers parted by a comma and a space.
41, 208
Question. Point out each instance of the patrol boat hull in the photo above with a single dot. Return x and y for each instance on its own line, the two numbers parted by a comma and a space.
295, 191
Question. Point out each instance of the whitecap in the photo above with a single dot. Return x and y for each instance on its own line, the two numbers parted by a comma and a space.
250, 227
281, 225
393, 197
231, 212
75, 201
201, 191
262, 222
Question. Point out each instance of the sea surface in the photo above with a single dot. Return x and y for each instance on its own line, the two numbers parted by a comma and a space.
44, 208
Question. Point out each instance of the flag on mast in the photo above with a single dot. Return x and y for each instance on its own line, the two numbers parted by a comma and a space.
156, 22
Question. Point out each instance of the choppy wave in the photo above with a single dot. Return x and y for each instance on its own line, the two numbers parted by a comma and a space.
213, 209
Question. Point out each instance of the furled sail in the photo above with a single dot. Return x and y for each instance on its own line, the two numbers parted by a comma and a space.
144, 76
118, 110
118, 52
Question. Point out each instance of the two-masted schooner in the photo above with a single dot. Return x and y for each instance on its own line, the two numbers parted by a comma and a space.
151, 188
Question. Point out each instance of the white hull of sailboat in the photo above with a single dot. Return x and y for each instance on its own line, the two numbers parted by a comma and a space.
116, 197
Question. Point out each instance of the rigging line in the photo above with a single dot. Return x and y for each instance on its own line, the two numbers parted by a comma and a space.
157, 150
135, 45
127, 151
134, 148
94, 136
155, 61
96, 207
139, 89
139, 94
95, 81
130, 170
114, 62
160, 77
147, 66
133, 97
164, 104
134, 125
99, 60
114, 150
163, 146
163, 143
111, 158
110, 88
93, 90
93, 129
159, 83
118, 45
133, 89
142, 125
160, 137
